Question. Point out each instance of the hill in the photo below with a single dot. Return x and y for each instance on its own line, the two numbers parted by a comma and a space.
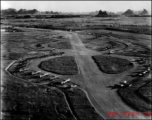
144, 12
128, 12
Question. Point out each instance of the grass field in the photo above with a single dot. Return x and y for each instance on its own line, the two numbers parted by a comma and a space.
112, 65
65, 65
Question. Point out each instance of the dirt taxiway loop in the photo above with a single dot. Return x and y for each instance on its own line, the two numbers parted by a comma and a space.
102, 98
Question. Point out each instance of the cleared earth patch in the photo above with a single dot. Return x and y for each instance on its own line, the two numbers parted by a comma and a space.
65, 65
112, 65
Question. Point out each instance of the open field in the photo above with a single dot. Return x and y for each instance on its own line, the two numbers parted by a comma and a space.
61, 45
73, 68
65, 65
112, 65
128, 24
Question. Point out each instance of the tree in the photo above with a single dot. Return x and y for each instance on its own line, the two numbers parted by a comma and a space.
22, 11
9, 11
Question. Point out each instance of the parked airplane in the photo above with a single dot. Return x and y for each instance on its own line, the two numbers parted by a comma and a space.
111, 51
54, 77
44, 75
63, 82
125, 84
145, 72
73, 86
148, 69
35, 72
24, 69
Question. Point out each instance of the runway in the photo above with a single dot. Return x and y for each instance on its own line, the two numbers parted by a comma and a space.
96, 82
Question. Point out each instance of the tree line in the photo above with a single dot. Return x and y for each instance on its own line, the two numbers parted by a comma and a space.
12, 11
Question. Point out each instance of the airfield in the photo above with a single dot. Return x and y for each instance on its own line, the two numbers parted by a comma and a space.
89, 62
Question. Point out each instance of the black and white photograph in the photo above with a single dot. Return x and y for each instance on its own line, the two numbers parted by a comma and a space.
76, 60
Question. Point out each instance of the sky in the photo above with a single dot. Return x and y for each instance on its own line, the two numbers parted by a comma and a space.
78, 6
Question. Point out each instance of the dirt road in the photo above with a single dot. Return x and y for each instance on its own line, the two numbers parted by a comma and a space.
103, 98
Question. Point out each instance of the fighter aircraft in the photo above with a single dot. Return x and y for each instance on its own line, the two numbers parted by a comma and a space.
63, 82
23, 69
33, 73
44, 75
72, 86
51, 78
111, 51
125, 84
